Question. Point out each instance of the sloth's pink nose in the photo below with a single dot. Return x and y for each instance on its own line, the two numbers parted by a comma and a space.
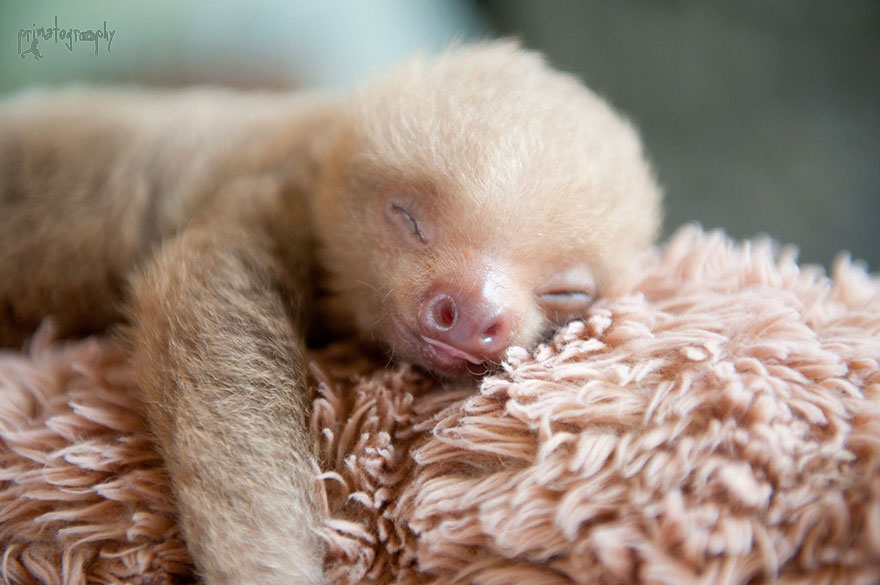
475, 326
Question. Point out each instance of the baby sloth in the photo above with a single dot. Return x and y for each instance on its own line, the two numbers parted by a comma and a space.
451, 208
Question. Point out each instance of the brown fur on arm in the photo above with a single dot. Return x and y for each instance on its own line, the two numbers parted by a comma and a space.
93, 181
218, 352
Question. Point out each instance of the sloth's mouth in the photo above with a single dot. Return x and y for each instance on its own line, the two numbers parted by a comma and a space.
433, 354
442, 357
450, 351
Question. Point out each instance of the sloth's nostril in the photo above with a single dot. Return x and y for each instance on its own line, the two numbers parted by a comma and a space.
444, 313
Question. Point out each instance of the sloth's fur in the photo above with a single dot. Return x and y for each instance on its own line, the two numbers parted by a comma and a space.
200, 220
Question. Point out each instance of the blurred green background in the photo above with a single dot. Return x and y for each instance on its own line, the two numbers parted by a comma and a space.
760, 116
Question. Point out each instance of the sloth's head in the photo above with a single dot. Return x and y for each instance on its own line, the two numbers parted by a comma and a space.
472, 201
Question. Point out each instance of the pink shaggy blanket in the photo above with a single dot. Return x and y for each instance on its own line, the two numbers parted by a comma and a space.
716, 420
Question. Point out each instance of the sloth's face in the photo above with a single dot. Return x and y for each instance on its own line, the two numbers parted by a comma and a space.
469, 204
453, 297
450, 279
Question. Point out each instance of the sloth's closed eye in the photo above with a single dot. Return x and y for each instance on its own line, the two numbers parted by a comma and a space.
401, 217
567, 298
561, 305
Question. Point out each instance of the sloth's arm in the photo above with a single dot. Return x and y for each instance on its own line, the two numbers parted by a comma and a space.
217, 343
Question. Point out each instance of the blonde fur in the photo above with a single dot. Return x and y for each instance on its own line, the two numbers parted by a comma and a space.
196, 216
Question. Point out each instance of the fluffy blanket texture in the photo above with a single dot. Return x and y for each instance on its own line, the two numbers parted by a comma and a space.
716, 420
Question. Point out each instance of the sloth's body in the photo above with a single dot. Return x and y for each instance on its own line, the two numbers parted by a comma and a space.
455, 207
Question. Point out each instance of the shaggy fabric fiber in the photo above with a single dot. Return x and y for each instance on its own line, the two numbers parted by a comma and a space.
716, 420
